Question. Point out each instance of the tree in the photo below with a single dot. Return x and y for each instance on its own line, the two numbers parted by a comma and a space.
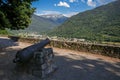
3, 21
15, 14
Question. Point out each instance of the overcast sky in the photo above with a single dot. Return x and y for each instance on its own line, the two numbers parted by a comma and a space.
66, 7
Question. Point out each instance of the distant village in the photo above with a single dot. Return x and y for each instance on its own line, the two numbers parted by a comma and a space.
38, 36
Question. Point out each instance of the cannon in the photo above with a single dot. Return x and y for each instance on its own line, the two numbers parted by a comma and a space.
27, 53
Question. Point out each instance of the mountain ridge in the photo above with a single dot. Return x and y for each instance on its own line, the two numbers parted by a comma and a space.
55, 18
40, 24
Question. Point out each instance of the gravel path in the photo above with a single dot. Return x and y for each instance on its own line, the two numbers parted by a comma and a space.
72, 65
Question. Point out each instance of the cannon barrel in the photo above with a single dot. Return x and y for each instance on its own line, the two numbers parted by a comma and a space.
27, 53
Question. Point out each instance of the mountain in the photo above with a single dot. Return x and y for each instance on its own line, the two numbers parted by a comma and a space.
42, 24
101, 24
55, 18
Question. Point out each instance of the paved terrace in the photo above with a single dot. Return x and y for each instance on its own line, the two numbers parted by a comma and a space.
72, 65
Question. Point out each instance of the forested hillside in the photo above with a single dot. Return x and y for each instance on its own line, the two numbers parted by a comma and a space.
101, 24
40, 24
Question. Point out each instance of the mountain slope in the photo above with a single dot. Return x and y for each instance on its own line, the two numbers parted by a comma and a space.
55, 18
101, 23
41, 24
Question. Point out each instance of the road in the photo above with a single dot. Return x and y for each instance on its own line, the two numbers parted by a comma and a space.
72, 65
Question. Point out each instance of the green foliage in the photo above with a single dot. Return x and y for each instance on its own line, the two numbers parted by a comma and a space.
3, 32
16, 14
3, 21
101, 24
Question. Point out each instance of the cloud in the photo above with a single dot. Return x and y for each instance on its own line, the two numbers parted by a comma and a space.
73, 1
48, 12
57, 12
91, 3
94, 3
70, 14
102, 2
64, 4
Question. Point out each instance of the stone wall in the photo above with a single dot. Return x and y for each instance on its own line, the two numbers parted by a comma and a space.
106, 50
103, 49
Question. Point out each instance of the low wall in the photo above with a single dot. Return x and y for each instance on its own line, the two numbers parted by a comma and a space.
106, 50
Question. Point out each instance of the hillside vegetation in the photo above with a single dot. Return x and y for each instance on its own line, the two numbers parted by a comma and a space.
99, 24
40, 24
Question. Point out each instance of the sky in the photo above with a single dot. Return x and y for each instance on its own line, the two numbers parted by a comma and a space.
66, 7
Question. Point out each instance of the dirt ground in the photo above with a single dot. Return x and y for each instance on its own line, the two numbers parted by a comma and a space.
72, 65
